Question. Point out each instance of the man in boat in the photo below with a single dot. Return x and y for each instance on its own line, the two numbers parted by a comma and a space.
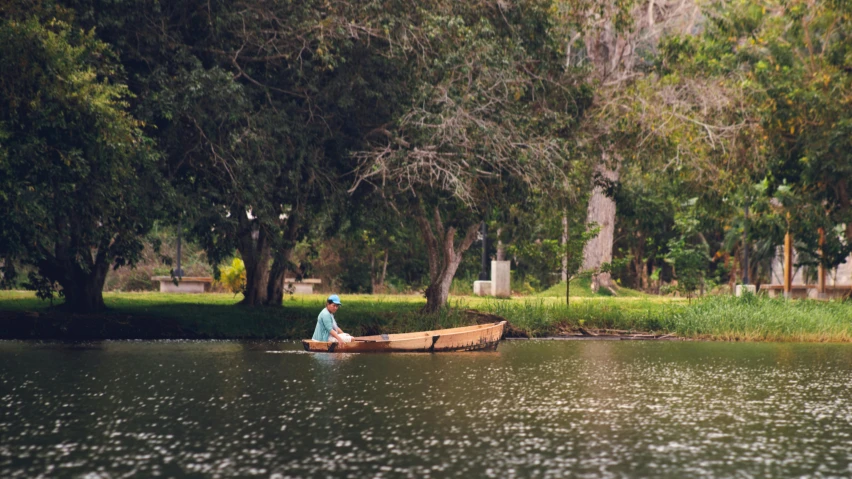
327, 329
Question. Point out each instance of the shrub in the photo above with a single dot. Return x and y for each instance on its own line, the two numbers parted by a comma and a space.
234, 277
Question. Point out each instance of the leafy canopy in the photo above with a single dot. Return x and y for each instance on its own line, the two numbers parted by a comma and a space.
78, 179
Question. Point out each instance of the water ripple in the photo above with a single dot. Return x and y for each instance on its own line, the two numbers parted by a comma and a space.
533, 409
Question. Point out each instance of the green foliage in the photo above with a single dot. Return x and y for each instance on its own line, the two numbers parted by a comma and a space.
792, 64
534, 230
647, 204
689, 262
234, 276
688, 257
485, 122
751, 111
249, 121
79, 183
256, 108
545, 257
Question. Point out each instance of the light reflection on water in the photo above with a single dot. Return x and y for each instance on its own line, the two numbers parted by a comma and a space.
531, 409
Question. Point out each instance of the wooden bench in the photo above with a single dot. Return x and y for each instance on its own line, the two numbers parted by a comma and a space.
305, 286
186, 284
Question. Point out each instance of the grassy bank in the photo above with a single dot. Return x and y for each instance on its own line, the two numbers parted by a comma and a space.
582, 288
752, 318
146, 315
755, 318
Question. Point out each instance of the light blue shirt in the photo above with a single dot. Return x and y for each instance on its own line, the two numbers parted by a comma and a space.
325, 323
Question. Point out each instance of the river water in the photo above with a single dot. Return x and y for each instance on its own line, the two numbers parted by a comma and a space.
530, 409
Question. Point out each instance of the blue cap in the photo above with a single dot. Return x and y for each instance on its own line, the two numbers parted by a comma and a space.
334, 299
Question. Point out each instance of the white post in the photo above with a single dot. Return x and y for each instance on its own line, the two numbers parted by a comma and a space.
482, 288
500, 279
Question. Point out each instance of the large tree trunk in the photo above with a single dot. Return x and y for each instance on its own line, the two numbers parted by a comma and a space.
257, 277
7, 272
444, 257
598, 250
275, 288
281, 263
438, 292
612, 53
82, 287
85, 293
254, 248
81, 272
732, 264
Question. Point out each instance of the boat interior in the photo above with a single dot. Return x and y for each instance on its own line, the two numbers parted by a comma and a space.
421, 334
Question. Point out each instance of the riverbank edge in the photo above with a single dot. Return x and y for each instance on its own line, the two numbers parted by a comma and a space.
56, 325
140, 316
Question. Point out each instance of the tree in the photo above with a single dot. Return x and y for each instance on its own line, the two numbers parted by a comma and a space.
800, 71
78, 179
645, 222
613, 39
688, 253
678, 128
792, 68
490, 110
256, 106
539, 253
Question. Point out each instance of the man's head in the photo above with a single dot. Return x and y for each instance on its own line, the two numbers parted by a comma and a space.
333, 303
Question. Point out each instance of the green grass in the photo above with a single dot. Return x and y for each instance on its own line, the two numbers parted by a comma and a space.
717, 318
751, 318
546, 317
756, 318
582, 288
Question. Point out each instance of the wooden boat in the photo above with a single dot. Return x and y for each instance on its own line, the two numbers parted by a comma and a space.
469, 338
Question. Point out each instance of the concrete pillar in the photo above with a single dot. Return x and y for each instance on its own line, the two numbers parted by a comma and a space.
500, 279
788, 266
821, 272
482, 288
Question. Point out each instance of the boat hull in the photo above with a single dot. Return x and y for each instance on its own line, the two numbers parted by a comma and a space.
470, 338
